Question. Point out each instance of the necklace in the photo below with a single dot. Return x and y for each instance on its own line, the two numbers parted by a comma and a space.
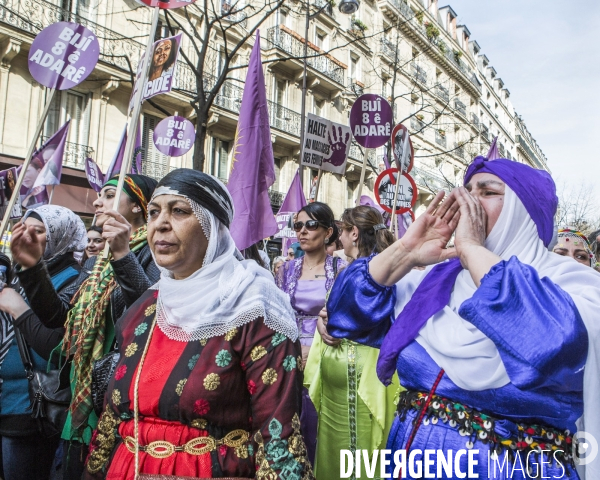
310, 268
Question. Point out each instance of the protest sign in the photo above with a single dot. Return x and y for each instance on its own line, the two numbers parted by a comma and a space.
94, 174
63, 54
163, 63
402, 147
385, 191
166, 4
371, 120
8, 179
174, 136
326, 144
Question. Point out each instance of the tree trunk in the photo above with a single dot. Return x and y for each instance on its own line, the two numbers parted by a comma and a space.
199, 157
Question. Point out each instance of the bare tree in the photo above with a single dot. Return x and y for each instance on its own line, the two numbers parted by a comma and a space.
578, 208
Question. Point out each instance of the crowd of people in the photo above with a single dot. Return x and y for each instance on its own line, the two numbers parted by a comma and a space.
183, 357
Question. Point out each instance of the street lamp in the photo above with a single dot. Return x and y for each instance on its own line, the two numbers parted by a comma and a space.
346, 7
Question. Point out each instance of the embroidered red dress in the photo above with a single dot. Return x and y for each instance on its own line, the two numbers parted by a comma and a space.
244, 384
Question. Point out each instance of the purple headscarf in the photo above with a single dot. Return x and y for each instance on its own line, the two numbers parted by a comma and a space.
537, 192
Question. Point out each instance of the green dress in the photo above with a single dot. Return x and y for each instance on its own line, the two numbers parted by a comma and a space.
355, 409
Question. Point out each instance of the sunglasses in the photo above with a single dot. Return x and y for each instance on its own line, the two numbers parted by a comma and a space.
311, 225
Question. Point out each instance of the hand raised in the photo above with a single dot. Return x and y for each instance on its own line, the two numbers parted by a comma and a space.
472, 225
25, 247
426, 239
117, 231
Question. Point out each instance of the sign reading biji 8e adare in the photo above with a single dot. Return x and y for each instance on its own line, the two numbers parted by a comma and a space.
371, 120
63, 55
174, 136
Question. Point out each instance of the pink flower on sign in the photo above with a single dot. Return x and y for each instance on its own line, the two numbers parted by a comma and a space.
201, 407
120, 372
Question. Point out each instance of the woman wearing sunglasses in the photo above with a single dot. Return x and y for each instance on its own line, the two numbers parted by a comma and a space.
307, 280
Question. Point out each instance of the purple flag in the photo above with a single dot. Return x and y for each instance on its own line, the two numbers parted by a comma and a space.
45, 169
493, 153
292, 203
136, 163
117, 161
94, 174
253, 166
386, 162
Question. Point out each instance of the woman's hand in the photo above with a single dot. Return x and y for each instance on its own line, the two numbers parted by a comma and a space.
322, 329
25, 247
12, 303
117, 231
424, 243
470, 235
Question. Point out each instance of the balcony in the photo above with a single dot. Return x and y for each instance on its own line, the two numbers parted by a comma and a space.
284, 119
460, 107
416, 124
442, 93
75, 154
156, 170
501, 150
356, 152
276, 198
430, 180
475, 120
388, 49
233, 16
485, 133
440, 139
459, 151
418, 73
392, 8
292, 45
356, 87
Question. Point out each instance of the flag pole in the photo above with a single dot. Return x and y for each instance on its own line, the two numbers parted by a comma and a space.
26, 162
51, 195
362, 176
137, 102
394, 215
318, 184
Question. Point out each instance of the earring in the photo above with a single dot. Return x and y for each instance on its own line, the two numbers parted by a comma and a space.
326, 240
354, 244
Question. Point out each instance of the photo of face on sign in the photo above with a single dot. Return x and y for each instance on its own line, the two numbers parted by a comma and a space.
163, 58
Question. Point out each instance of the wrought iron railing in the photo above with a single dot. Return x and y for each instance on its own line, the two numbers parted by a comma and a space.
460, 107
485, 133
529, 151
230, 14
440, 139
430, 180
295, 48
276, 198
475, 120
354, 86
156, 170
284, 119
418, 73
459, 151
442, 92
501, 150
356, 152
416, 124
388, 49
75, 154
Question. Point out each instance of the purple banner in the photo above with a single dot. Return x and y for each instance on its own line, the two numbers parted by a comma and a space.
371, 120
174, 136
63, 55
162, 68
94, 174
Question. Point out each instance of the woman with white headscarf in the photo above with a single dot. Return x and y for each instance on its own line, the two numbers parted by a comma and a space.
26, 452
208, 382
491, 346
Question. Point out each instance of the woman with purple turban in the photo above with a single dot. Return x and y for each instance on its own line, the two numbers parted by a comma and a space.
497, 345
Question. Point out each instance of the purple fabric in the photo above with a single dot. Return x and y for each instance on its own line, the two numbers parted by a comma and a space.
136, 164
535, 188
309, 300
386, 162
117, 161
430, 297
493, 153
253, 169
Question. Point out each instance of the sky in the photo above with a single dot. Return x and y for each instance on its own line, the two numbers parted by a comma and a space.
548, 55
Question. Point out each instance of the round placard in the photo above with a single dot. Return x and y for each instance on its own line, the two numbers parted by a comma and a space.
385, 188
371, 120
404, 158
174, 136
166, 4
63, 55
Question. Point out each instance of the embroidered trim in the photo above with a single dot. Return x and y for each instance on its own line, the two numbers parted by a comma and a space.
106, 438
479, 427
352, 395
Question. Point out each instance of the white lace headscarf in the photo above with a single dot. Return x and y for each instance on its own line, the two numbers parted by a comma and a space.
65, 231
226, 292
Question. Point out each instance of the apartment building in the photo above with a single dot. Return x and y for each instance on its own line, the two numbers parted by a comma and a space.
412, 52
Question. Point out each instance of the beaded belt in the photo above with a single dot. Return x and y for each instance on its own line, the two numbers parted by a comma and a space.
196, 446
481, 427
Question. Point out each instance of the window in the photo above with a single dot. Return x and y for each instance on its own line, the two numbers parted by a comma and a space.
320, 39
319, 107
385, 88
354, 70
282, 17
277, 182
220, 159
280, 90
154, 163
350, 188
84, 8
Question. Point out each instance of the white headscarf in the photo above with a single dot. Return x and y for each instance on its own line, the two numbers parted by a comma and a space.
469, 358
65, 231
225, 293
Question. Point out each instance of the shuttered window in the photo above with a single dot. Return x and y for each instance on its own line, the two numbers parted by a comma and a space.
154, 163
